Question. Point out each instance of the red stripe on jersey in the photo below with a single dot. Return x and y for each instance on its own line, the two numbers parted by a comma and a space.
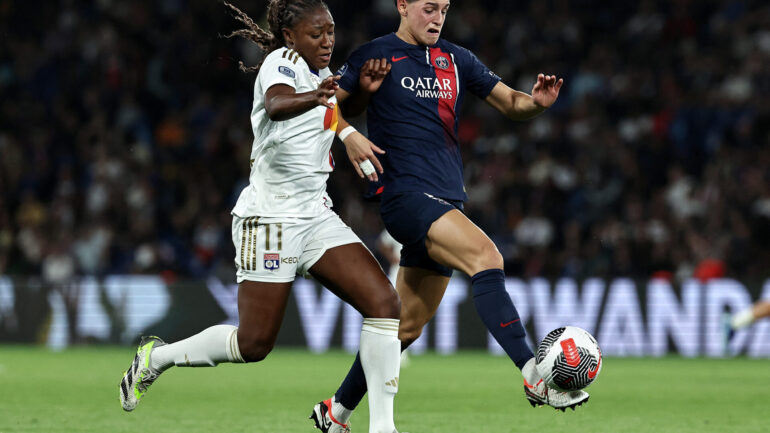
330, 118
447, 83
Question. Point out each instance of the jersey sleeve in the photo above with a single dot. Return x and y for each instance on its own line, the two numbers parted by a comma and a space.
479, 79
352, 69
278, 70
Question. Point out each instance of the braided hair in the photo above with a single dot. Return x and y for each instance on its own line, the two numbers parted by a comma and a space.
281, 14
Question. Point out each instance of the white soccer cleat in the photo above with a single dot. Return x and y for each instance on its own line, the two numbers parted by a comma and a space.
139, 375
324, 421
539, 394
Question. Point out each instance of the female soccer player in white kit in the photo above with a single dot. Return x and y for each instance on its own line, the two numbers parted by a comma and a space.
283, 224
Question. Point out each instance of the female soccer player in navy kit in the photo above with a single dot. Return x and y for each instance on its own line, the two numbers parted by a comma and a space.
413, 119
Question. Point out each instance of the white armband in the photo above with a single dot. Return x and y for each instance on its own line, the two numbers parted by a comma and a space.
345, 132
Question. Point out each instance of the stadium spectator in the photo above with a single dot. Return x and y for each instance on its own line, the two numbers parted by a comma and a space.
121, 123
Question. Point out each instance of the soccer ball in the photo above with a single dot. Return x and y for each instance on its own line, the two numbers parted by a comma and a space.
568, 359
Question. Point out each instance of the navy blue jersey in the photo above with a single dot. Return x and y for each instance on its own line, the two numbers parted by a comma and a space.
413, 116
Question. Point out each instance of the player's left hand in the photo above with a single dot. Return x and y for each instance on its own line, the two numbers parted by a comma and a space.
546, 90
360, 149
326, 90
373, 73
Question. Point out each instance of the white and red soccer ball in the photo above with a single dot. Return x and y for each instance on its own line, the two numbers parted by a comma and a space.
568, 359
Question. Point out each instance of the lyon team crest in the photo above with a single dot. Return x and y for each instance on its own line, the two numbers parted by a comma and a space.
272, 261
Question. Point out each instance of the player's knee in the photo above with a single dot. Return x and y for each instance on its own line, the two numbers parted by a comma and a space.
487, 257
255, 349
385, 304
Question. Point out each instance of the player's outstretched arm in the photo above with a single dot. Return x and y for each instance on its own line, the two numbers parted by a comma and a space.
282, 102
521, 106
370, 78
361, 151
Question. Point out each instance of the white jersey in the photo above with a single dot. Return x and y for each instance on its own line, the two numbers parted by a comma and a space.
290, 159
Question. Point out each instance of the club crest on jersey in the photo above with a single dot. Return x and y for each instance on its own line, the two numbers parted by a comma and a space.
287, 71
272, 261
441, 62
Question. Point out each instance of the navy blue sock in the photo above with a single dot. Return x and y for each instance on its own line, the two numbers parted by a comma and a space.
496, 310
353, 388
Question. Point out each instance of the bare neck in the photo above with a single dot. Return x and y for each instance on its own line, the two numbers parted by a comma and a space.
404, 35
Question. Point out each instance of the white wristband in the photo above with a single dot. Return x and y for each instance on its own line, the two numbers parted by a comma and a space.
345, 132
366, 167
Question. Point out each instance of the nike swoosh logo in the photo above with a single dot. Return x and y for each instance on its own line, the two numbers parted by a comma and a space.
503, 325
592, 372
532, 386
397, 59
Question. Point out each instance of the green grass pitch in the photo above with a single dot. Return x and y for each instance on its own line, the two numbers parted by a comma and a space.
77, 391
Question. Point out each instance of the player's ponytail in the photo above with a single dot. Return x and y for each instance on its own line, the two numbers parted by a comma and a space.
280, 14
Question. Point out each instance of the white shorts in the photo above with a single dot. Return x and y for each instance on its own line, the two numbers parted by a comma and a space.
274, 250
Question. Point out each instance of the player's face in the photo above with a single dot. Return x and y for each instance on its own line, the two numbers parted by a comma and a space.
313, 38
425, 18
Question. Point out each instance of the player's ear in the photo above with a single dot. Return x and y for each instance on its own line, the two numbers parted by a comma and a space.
401, 6
288, 36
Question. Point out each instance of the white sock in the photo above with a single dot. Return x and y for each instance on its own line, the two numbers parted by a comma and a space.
742, 319
380, 353
340, 412
206, 349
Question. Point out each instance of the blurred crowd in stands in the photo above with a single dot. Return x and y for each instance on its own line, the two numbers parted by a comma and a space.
125, 135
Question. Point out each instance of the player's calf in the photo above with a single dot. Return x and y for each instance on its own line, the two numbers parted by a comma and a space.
255, 349
410, 329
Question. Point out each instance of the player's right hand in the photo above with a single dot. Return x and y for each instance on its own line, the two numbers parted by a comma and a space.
373, 73
360, 149
327, 89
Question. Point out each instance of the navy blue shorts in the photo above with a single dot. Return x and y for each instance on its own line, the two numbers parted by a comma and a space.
408, 217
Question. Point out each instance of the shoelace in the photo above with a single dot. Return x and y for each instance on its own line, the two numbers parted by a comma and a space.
548, 395
541, 389
148, 377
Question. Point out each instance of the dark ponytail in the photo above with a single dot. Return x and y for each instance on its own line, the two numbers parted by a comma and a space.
281, 14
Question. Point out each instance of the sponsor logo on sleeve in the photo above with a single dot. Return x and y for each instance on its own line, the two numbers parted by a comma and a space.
287, 71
